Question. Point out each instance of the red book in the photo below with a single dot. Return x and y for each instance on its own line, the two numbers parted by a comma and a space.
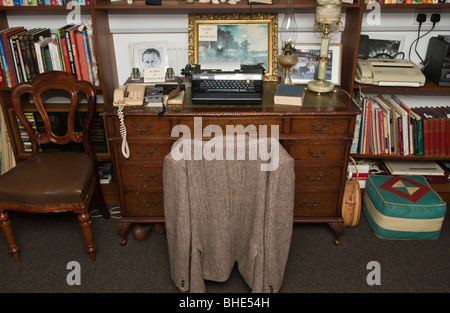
439, 129
5, 41
82, 56
445, 139
73, 40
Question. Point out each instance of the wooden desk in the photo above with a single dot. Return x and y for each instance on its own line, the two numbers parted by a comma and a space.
317, 137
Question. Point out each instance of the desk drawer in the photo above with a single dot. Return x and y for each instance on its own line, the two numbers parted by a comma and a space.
147, 126
317, 175
316, 202
146, 203
142, 176
319, 126
317, 151
208, 125
151, 151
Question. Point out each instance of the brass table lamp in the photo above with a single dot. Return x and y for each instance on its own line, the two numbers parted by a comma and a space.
328, 20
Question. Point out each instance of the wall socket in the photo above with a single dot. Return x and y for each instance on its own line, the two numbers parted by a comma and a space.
428, 13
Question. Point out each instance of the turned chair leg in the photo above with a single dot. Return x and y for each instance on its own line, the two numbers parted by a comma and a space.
85, 223
5, 224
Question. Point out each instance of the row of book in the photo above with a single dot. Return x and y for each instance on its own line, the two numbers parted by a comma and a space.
22, 3
391, 126
27, 53
407, 1
58, 121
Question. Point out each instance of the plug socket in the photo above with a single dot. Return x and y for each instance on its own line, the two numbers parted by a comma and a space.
421, 18
435, 18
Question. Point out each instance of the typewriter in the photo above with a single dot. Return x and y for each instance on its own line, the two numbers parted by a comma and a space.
244, 86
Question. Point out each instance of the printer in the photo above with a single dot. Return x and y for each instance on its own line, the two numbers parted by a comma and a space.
242, 86
389, 72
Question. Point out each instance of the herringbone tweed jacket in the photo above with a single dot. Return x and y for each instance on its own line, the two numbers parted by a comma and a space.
221, 212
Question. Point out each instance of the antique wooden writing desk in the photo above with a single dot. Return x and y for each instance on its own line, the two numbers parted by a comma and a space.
317, 135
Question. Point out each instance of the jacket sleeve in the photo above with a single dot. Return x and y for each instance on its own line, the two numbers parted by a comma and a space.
278, 221
177, 220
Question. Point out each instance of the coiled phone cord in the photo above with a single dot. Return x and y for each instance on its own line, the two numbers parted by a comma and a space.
123, 131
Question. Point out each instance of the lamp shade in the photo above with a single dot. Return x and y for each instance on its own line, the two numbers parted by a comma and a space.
328, 11
288, 29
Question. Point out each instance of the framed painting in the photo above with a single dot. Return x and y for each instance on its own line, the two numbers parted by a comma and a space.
308, 60
239, 38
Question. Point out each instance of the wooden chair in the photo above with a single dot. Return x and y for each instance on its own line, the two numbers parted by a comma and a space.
58, 181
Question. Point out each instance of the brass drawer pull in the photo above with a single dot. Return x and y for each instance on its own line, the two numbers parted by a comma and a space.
256, 129
142, 129
317, 155
314, 179
313, 125
155, 203
305, 202
145, 155
141, 176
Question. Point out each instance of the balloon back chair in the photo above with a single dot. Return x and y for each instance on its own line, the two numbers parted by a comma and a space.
63, 181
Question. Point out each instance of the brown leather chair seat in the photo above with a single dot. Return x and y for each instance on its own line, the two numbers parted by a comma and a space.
24, 185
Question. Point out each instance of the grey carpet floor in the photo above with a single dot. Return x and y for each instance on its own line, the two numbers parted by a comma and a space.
315, 265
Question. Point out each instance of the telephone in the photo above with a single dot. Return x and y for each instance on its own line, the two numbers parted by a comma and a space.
138, 95
389, 72
129, 95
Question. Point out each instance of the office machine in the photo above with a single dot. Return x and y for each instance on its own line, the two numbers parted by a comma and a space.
244, 86
389, 72
438, 57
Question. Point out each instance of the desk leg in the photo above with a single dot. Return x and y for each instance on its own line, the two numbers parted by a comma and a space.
338, 229
122, 229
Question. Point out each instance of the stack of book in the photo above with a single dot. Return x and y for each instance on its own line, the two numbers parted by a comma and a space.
21, 3
27, 53
392, 126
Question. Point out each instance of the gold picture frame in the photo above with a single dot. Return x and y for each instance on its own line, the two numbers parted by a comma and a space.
240, 33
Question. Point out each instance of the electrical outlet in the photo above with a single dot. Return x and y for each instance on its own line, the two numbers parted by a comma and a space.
428, 14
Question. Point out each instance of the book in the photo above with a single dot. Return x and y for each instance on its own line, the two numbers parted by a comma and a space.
6, 55
289, 94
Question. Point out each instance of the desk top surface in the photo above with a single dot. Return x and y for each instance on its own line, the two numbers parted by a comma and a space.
336, 103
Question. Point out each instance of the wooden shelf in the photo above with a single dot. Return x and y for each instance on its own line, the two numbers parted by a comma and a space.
400, 157
429, 88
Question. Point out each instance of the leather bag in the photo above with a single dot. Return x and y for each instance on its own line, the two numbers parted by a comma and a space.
351, 205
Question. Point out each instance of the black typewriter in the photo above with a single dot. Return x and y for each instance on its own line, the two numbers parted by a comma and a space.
243, 86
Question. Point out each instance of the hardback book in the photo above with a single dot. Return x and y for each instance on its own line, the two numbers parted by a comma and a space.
289, 94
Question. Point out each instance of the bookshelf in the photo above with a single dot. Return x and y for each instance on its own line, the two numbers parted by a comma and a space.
100, 10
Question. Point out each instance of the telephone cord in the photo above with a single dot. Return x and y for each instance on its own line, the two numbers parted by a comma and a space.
123, 131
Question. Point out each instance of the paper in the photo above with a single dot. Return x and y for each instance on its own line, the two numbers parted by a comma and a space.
223, 66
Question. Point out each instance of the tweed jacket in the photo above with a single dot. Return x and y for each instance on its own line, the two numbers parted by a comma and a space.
219, 212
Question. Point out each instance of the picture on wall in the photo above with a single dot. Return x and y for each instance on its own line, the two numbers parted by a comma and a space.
243, 38
306, 68
149, 55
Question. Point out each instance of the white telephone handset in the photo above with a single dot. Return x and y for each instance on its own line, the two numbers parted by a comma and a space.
128, 95
364, 73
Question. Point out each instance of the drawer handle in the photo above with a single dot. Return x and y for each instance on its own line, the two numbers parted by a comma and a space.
206, 129
155, 203
314, 179
305, 202
145, 155
317, 155
261, 126
141, 176
141, 129
313, 125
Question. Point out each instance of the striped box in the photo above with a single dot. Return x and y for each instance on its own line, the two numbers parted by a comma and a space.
403, 207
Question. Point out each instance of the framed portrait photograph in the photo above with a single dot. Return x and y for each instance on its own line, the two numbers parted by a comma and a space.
308, 61
242, 38
149, 55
